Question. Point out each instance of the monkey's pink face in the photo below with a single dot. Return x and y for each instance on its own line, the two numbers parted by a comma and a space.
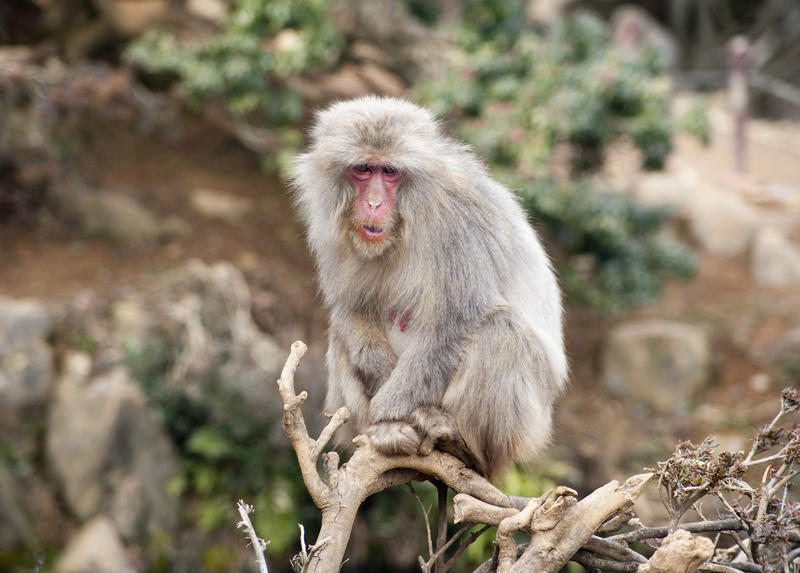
374, 208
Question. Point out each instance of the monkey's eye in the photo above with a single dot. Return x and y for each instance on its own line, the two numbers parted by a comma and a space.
389, 170
363, 168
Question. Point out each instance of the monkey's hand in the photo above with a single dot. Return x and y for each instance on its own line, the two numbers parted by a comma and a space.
394, 438
437, 430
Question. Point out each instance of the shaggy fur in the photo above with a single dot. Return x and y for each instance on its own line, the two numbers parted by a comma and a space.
479, 359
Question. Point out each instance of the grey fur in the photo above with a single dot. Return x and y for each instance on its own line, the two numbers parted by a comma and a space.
484, 343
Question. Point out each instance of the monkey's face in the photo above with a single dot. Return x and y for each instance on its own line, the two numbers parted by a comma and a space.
374, 215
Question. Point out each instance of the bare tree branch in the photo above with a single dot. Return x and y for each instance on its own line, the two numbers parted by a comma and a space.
561, 527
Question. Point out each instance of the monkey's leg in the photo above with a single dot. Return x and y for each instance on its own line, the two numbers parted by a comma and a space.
501, 395
368, 349
345, 389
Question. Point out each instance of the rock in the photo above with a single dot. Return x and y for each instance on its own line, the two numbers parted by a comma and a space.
547, 12
96, 548
635, 31
26, 364
660, 363
25, 321
132, 17
108, 452
666, 188
775, 260
214, 302
15, 528
118, 216
113, 214
287, 40
217, 205
722, 223
212, 10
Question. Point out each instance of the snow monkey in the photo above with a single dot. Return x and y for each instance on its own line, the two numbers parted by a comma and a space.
445, 315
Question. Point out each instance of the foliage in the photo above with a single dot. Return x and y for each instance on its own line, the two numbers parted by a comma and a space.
520, 96
769, 515
616, 255
247, 64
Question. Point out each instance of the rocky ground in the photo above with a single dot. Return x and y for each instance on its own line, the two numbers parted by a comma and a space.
194, 244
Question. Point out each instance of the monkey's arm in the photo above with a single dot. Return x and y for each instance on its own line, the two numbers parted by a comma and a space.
421, 376
368, 348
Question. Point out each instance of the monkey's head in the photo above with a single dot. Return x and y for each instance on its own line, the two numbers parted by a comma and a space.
362, 159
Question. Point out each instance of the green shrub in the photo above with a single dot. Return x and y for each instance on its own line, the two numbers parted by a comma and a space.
519, 94
246, 65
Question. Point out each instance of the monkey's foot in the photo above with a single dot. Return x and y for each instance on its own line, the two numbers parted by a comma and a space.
394, 438
437, 430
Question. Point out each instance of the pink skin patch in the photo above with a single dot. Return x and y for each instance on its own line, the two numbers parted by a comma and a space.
373, 211
403, 324
404, 320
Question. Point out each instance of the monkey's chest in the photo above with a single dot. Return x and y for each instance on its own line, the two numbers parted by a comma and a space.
399, 329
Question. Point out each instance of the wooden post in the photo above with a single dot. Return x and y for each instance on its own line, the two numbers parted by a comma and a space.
739, 97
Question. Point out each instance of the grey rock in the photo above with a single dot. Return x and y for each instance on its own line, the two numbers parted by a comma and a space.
721, 222
660, 363
210, 307
24, 321
219, 205
116, 215
108, 452
775, 260
15, 527
96, 548
26, 370
665, 188
635, 31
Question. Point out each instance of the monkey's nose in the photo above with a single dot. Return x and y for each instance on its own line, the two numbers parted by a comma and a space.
374, 204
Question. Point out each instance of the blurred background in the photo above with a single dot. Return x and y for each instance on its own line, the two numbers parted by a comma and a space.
153, 272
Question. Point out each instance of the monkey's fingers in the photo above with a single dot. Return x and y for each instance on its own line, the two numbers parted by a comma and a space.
394, 438
437, 430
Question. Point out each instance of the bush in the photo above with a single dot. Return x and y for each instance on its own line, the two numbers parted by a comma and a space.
245, 65
519, 94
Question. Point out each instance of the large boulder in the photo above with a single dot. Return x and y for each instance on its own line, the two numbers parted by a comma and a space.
719, 221
26, 365
96, 548
722, 223
660, 363
108, 452
775, 259
201, 316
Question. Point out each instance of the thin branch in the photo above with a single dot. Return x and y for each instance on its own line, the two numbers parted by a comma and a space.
258, 544
698, 527
425, 513
462, 546
590, 560
441, 529
613, 549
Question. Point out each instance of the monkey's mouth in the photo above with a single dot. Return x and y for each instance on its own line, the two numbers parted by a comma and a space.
371, 232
